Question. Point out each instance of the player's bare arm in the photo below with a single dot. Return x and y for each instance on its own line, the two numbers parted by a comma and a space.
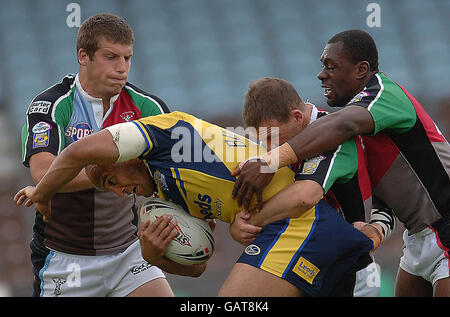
98, 148
329, 132
291, 202
241, 230
319, 137
40, 163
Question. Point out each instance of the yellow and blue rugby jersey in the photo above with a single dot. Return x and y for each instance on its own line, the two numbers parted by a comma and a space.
191, 162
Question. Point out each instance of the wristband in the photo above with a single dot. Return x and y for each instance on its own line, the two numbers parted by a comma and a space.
280, 157
253, 158
385, 218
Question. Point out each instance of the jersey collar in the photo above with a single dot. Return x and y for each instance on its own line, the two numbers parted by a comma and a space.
314, 113
89, 97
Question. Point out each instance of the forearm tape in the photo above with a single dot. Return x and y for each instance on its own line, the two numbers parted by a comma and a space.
280, 157
385, 218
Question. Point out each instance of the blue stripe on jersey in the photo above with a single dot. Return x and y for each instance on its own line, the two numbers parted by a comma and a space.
143, 134
177, 174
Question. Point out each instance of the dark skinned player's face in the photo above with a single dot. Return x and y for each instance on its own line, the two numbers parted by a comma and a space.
338, 75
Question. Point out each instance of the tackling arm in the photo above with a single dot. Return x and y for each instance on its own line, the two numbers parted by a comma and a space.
329, 132
120, 142
291, 202
98, 148
318, 137
40, 163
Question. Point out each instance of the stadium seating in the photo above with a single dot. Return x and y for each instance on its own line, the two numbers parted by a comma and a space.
200, 55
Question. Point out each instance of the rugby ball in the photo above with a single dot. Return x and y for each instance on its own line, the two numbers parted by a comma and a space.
194, 242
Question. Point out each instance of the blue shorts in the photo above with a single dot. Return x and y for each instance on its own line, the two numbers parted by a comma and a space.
311, 252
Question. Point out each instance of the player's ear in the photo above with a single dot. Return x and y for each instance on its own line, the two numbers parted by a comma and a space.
362, 69
83, 57
297, 115
95, 174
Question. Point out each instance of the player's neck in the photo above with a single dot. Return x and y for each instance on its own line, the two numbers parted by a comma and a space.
88, 89
365, 81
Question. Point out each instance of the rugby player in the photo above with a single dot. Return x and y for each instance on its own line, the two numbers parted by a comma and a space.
408, 157
341, 173
189, 162
93, 229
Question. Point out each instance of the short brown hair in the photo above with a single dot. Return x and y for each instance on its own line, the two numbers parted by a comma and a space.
269, 99
106, 25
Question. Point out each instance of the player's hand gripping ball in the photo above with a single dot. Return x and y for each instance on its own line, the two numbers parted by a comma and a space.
193, 243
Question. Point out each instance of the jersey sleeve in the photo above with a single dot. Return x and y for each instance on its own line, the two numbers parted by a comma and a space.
130, 140
46, 118
388, 105
339, 165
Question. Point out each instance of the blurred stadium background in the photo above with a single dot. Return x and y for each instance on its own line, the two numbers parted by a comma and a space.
200, 56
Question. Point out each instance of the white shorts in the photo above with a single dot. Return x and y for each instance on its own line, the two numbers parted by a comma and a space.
368, 281
425, 256
114, 275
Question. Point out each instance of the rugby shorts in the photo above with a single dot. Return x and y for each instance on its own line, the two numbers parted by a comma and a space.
368, 281
71, 275
311, 252
424, 255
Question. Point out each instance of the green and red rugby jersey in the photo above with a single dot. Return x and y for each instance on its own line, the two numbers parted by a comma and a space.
342, 173
408, 157
87, 222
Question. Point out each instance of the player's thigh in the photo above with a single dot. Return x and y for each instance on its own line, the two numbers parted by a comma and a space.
409, 285
155, 288
442, 288
249, 281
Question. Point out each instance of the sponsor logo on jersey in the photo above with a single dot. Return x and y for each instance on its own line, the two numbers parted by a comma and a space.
41, 127
127, 116
41, 134
219, 207
41, 139
204, 203
310, 166
79, 131
306, 270
39, 107
359, 97
160, 180
252, 249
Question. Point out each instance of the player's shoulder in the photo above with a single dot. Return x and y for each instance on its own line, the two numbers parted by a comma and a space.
43, 102
141, 96
56, 91
379, 89
168, 120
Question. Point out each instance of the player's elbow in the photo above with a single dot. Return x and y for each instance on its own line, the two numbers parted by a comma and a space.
308, 194
306, 203
302, 205
352, 121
